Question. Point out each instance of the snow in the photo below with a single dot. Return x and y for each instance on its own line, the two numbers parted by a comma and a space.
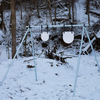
3, 55
55, 79
98, 34
82, 17
1, 35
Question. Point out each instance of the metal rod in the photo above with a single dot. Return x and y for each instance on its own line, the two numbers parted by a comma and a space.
92, 49
55, 26
33, 55
13, 58
78, 64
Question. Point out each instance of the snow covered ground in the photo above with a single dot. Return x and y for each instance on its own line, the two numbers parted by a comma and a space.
55, 79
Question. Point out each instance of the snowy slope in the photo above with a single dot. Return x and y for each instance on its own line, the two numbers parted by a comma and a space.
1, 35
55, 80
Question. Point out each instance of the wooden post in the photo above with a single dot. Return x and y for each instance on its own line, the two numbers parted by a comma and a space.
13, 26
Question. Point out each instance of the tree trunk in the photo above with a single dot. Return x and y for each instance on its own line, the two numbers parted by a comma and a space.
69, 11
55, 12
1, 15
8, 51
87, 6
88, 9
25, 5
50, 12
25, 45
21, 8
31, 7
46, 16
8, 4
38, 9
13, 21
73, 11
88, 18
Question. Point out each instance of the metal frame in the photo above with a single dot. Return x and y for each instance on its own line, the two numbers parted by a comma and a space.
78, 64
54, 26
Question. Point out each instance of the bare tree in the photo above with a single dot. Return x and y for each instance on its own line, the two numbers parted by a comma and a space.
31, 3
69, 10
37, 4
55, 12
50, 11
72, 11
1, 15
87, 6
21, 8
13, 21
87, 10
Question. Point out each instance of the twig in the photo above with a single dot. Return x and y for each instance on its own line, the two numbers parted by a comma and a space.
95, 35
94, 13
28, 60
97, 3
49, 2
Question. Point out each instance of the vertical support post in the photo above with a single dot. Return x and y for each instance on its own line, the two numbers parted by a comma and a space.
92, 49
75, 83
33, 54
14, 58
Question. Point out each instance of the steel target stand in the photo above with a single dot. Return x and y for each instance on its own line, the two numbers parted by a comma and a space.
78, 64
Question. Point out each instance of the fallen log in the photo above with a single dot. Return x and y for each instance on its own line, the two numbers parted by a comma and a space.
60, 19
87, 50
94, 13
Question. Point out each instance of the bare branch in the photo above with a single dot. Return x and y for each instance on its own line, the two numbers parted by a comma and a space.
49, 2
97, 3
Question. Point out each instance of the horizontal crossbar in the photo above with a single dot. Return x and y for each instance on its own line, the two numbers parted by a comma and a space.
31, 26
